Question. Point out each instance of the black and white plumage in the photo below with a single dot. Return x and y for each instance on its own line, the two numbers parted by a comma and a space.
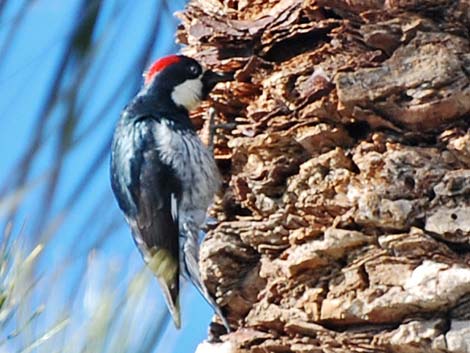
163, 176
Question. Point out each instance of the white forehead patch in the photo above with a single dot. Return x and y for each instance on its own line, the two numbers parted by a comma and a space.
188, 94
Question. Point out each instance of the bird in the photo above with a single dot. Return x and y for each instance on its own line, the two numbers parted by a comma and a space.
162, 175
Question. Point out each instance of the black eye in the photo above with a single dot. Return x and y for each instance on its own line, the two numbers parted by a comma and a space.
194, 70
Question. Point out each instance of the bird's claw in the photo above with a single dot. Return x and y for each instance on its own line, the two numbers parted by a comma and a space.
213, 127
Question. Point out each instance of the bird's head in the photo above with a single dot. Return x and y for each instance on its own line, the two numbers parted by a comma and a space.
182, 80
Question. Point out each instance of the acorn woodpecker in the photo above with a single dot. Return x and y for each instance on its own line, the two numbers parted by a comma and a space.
163, 176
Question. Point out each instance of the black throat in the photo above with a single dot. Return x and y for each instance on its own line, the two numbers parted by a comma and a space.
157, 103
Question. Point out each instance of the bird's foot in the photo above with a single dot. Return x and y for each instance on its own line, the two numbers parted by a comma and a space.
213, 127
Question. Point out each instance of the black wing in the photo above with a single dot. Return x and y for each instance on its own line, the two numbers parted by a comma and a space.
147, 192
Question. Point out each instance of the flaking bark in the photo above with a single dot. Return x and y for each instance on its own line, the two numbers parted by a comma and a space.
345, 220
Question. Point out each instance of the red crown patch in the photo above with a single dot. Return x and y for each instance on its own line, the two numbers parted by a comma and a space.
159, 65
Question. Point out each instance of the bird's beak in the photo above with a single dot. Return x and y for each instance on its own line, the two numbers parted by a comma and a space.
211, 78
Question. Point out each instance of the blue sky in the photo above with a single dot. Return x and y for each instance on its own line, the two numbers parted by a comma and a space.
89, 239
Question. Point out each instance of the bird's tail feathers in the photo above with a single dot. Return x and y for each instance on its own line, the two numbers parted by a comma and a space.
191, 270
165, 267
211, 301
173, 304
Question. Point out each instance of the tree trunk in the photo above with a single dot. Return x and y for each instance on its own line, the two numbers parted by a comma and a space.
345, 220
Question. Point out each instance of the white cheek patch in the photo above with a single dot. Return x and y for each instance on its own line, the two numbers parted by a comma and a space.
188, 94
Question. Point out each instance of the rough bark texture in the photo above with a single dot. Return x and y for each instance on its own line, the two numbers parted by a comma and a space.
345, 222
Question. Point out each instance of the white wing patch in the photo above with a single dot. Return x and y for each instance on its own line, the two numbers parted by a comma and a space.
174, 207
188, 94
